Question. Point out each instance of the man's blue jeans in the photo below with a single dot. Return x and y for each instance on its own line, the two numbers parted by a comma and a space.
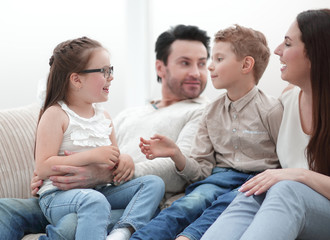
20, 216
210, 196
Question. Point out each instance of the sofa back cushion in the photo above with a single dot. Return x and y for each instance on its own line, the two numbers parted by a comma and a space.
17, 141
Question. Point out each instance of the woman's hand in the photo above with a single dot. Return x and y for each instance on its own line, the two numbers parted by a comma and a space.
125, 169
265, 180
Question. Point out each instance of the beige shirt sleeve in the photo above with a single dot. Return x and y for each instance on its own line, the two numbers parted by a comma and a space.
201, 160
273, 121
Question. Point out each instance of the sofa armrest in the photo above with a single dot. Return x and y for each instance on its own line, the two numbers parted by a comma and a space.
17, 141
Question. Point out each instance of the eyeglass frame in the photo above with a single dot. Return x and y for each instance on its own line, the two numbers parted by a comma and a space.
102, 70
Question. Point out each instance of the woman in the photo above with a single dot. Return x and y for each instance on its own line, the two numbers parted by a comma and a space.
293, 202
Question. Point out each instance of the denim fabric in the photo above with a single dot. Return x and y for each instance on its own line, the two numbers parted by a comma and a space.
234, 221
87, 203
23, 216
140, 198
199, 197
64, 230
19, 217
290, 210
196, 229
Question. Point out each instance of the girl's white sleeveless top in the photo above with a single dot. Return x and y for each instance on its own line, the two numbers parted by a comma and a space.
82, 134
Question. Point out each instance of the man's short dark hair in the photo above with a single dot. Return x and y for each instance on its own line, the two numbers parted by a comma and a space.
179, 32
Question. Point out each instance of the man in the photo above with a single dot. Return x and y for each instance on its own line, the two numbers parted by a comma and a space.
181, 53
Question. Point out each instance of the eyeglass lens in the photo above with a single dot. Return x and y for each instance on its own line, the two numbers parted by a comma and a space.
108, 71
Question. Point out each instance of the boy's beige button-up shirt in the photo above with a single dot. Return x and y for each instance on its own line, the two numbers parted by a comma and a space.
240, 135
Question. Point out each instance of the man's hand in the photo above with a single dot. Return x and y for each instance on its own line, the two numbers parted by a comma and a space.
81, 177
125, 168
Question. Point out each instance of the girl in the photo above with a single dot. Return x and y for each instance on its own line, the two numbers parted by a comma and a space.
80, 76
296, 205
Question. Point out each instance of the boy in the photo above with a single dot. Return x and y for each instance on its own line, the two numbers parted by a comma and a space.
236, 138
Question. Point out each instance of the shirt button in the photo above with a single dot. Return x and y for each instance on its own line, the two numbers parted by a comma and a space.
235, 116
237, 160
235, 146
234, 130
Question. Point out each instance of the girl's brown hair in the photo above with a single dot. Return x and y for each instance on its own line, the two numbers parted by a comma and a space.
68, 57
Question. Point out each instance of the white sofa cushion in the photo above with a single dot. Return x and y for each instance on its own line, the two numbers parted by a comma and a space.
17, 140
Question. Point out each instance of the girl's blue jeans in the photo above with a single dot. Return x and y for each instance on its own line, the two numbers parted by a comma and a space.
139, 197
23, 216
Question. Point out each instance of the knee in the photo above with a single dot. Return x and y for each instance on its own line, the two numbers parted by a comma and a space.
203, 194
195, 200
95, 199
288, 193
155, 183
286, 188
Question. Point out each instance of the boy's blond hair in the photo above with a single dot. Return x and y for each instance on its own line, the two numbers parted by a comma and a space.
247, 42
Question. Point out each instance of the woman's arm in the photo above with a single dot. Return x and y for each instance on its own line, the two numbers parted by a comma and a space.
317, 181
265, 180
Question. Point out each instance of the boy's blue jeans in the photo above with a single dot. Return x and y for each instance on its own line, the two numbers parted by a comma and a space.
192, 214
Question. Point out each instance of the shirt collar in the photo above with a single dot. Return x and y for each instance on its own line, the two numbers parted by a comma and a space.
242, 102
199, 100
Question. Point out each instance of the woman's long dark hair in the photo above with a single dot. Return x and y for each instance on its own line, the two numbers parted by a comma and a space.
315, 34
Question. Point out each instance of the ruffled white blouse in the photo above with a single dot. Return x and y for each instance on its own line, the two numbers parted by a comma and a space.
82, 134
85, 133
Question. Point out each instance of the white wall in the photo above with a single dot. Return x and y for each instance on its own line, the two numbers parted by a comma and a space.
128, 28
270, 17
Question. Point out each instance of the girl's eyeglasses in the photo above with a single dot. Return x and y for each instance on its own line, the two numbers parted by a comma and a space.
107, 71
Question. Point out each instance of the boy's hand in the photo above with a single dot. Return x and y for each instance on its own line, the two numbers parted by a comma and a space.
158, 146
125, 169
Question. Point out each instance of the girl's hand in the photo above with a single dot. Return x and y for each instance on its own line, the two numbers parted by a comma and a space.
106, 154
265, 180
36, 183
157, 146
125, 169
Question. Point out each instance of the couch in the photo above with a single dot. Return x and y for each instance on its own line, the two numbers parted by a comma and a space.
17, 139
